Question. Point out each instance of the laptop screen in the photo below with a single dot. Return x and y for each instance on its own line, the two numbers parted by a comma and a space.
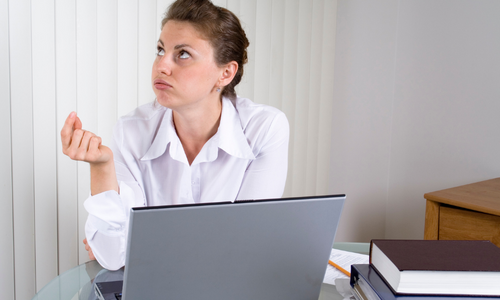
262, 249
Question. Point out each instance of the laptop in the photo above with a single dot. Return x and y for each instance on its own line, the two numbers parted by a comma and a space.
246, 250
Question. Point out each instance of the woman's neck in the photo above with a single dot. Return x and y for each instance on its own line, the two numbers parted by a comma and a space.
196, 126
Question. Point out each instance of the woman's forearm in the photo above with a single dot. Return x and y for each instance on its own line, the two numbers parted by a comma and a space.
103, 177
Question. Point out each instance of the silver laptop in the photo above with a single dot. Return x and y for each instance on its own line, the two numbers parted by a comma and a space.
246, 250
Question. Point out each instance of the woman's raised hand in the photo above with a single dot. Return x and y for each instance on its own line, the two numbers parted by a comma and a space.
83, 145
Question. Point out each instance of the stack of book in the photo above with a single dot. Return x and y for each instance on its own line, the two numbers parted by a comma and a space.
414, 269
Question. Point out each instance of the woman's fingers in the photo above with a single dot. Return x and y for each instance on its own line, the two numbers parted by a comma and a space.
82, 145
68, 129
94, 150
91, 255
87, 247
72, 124
83, 149
76, 140
78, 122
95, 142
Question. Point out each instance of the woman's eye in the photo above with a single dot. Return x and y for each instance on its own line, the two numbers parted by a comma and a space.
160, 52
183, 54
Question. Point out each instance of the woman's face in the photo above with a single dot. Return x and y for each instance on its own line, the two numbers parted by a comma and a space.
184, 72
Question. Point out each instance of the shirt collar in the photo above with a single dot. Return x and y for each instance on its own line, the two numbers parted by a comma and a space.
232, 138
166, 133
229, 137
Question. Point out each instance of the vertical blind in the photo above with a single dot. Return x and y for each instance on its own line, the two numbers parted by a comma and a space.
95, 57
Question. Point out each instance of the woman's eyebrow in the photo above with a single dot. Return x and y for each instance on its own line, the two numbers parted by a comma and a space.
177, 46
182, 46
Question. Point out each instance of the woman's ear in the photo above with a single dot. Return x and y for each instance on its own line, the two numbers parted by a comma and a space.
228, 73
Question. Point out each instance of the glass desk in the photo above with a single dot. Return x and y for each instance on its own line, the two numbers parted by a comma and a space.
76, 284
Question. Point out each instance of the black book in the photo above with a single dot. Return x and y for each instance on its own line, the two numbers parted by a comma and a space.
438, 267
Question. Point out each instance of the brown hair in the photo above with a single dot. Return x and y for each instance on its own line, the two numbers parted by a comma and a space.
220, 27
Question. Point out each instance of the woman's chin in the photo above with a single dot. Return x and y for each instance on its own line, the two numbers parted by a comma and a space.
164, 100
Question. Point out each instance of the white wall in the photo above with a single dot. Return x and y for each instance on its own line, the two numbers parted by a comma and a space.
95, 57
6, 213
363, 92
446, 123
416, 108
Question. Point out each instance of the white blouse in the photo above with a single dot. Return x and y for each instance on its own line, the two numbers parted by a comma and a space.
246, 159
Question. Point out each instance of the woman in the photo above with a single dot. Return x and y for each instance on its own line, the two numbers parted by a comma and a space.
198, 142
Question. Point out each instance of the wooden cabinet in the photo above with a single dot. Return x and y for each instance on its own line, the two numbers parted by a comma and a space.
467, 212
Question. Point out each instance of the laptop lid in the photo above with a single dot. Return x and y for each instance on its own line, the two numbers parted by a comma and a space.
263, 249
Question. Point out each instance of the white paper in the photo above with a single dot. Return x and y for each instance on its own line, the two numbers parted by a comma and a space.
344, 259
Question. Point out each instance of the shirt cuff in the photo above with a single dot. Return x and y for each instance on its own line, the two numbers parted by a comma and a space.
106, 211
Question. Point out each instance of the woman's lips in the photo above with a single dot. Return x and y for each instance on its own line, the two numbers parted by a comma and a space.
161, 84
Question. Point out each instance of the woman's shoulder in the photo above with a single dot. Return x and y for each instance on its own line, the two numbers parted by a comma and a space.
140, 124
261, 123
251, 113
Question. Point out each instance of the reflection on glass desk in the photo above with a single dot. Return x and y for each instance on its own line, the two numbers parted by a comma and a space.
76, 284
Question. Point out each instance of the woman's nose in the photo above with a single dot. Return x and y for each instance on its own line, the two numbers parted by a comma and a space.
164, 65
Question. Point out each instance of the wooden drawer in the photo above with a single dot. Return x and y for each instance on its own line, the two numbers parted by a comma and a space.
462, 224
